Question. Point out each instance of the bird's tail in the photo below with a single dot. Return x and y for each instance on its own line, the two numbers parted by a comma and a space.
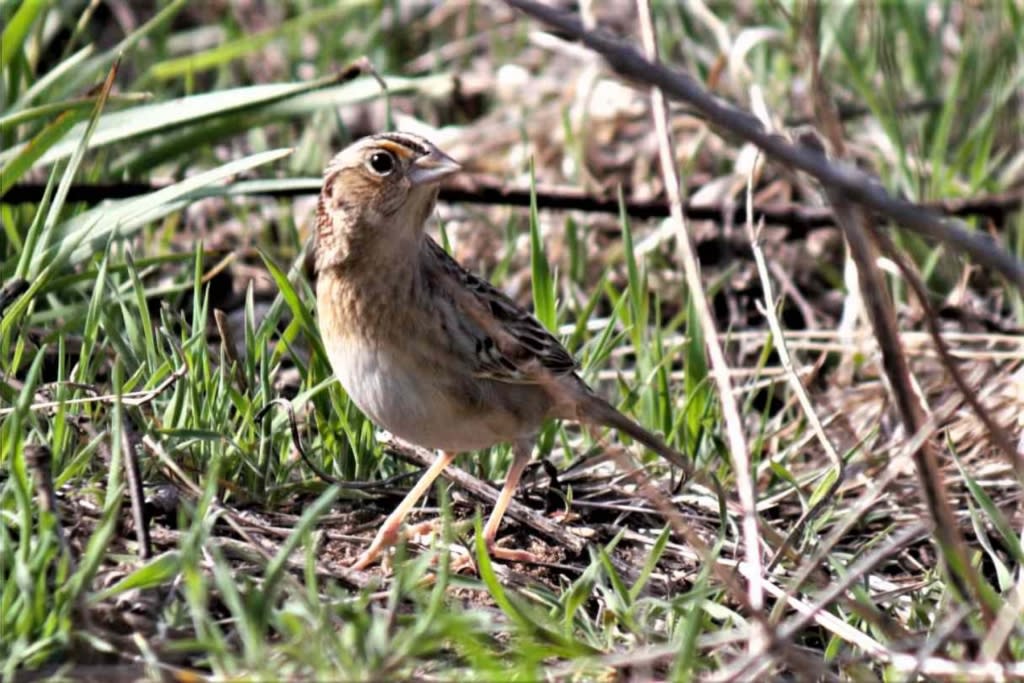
599, 411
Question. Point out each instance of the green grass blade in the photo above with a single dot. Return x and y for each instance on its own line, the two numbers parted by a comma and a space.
54, 212
12, 39
310, 516
81, 104
154, 573
231, 50
172, 115
542, 281
51, 78
295, 304
15, 167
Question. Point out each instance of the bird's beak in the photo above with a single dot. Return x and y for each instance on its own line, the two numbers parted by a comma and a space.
432, 168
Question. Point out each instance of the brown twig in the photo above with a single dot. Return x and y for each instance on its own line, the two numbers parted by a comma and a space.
857, 227
136, 496
468, 188
487, 493
38, 459
996, 432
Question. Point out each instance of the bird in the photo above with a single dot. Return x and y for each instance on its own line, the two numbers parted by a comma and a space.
427, 350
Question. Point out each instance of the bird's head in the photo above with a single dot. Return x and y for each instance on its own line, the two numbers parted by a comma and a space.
377, 194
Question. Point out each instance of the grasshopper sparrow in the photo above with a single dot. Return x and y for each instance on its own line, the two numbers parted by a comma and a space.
426, 349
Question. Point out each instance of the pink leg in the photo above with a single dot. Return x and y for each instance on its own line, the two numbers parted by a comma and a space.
388, 533
521, 452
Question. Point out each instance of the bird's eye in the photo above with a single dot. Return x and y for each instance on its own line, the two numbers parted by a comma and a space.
382, 163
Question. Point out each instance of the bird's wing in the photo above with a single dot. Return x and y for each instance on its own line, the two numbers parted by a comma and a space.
510, 344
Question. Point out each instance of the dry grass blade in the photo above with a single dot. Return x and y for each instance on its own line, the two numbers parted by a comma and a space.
719, 366
132, 398
1008, 619
797, 386
754, 665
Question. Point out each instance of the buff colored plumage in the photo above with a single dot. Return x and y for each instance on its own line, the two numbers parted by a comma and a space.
427, 350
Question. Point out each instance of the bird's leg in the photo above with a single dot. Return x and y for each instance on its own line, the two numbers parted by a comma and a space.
521, 451
388, 533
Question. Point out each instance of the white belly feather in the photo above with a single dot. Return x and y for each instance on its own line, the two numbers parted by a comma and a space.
406, 401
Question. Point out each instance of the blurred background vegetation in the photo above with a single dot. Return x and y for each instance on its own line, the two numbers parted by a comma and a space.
158, 169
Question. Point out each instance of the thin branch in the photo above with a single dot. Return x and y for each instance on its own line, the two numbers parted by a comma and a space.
39, 461
846, 180
487, 190
133, 398
856, 228
487, 493
136, 494
999, 436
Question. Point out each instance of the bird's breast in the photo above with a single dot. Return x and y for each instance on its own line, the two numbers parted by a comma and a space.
409, 378
405, 397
